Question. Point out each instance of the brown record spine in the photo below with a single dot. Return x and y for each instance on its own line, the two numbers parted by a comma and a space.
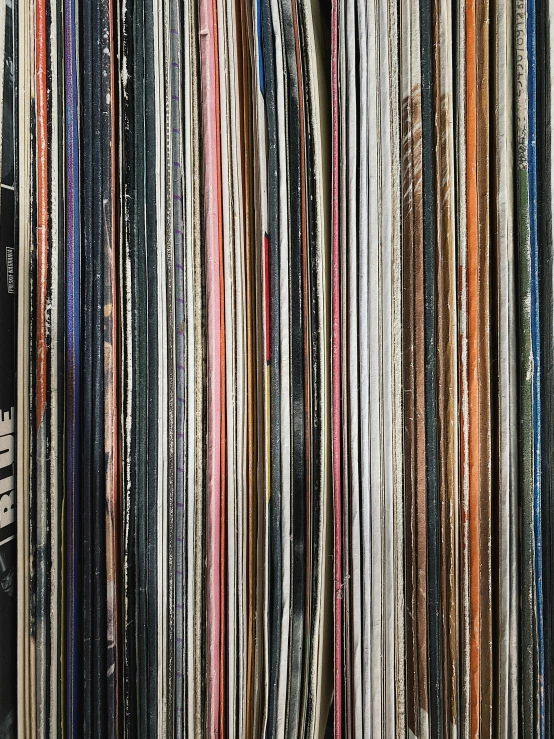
479, 421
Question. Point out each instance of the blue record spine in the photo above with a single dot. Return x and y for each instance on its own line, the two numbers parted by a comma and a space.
73, 368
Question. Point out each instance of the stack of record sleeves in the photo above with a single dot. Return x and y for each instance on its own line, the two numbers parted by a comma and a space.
276, 369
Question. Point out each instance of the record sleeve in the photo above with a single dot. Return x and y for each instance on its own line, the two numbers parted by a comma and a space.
284, 368
129, 674
362, 339
352, 371
371, 388
463, 369
417, 711
177, 266
447, 365
434, 644
318, 617
85, 309
212, 228
529, 653
24, 179
484, 368
389, 207
271, 246
8, 326
173, 171
256, 223
537, 374
508, 655
396, 358
336, 415
296, 227
229, 556
196, 283
341, 512
238, 224
544, 218
41, 398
